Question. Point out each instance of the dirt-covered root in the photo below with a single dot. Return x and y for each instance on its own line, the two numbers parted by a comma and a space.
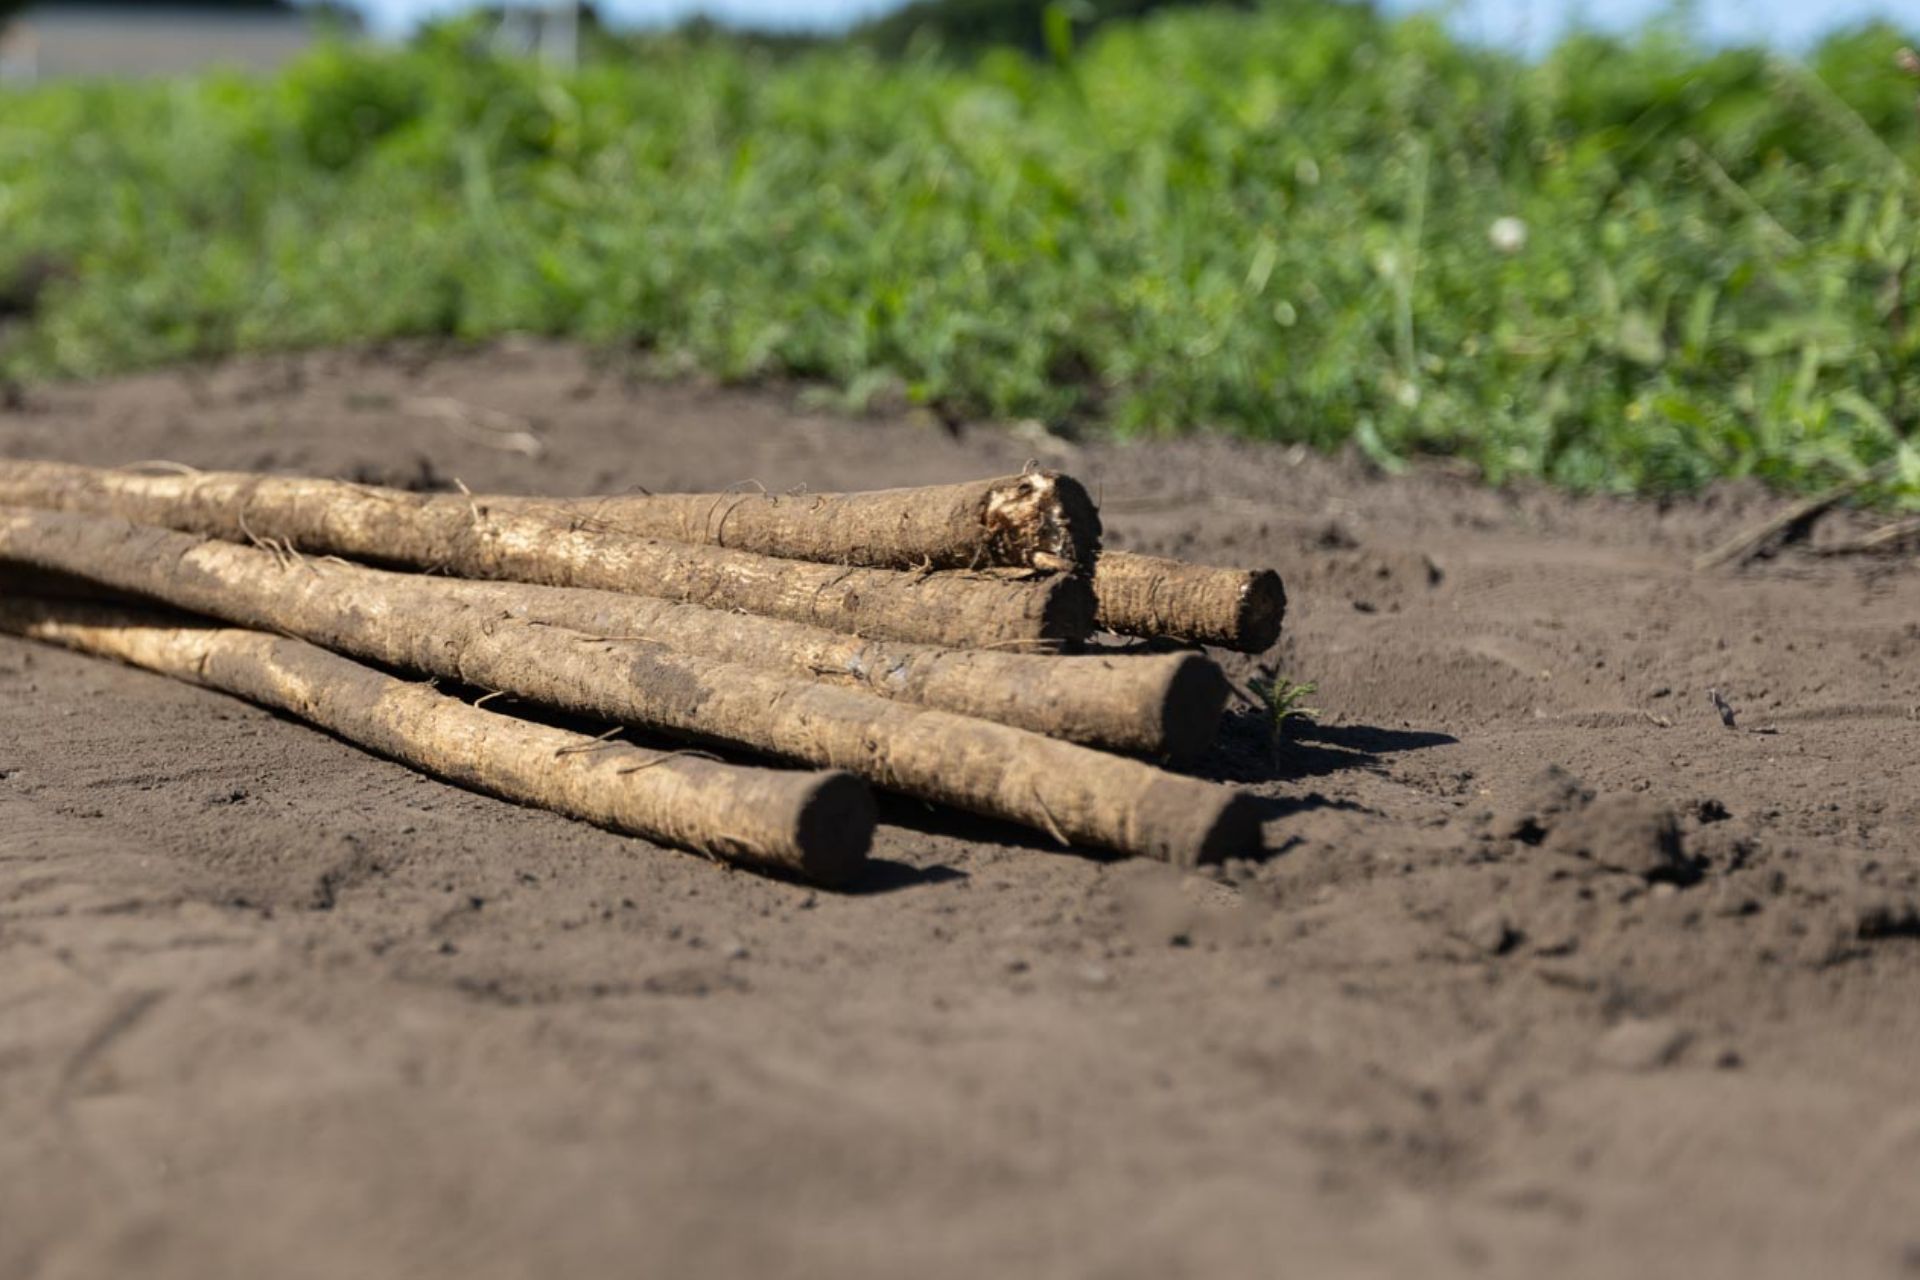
1158, 705
817, 825
1147, 704
461, 535
1079, 795
1140, 595
1039, 520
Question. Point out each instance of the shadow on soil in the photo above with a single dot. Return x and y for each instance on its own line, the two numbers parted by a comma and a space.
886, 875
1246, 752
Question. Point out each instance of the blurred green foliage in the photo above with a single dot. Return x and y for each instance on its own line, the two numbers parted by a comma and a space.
968, 26
1632, 265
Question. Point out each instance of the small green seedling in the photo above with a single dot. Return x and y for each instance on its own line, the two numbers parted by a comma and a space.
1282, 699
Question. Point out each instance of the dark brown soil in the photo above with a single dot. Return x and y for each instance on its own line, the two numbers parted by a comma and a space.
1547, 972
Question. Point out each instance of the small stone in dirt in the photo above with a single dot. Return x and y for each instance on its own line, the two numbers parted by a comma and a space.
1494, 932
1334, 537
1642, 1044
1710, 810
1017, 965
1096, 976
1626, 833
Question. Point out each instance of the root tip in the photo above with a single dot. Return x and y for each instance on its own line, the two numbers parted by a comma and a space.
835, 831
1196, 697
1263, 611
1189, 823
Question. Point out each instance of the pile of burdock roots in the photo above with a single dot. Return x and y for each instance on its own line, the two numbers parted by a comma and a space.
937, 642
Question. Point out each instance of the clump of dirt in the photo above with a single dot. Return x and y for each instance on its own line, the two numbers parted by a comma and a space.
1625, 833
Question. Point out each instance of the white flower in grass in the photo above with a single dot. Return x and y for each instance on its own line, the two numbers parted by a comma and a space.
1508, 235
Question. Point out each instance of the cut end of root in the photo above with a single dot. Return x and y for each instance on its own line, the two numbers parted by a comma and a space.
835, 831
1042, 520
1236, 830
1195, 700
1263, 610
1188, 822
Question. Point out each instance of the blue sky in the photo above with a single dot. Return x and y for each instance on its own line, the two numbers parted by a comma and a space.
1526, 23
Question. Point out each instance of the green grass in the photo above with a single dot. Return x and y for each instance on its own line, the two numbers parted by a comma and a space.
1274, 224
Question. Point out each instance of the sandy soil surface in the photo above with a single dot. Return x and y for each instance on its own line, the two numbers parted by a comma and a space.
1547, 971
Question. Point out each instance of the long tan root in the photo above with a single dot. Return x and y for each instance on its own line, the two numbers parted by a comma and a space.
815, 825
1146, 704
1140, 595
1039, 520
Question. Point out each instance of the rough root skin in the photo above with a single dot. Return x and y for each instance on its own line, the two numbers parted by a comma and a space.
1240, 609
1082, 796
1039, 520
459, 534
817, 826
1145, 704
1161, 705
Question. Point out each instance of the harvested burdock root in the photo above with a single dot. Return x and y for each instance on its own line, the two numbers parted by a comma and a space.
810, 824
1039, 520
1149, 704
1160, 705
461, 535
1148, 596
1079, 795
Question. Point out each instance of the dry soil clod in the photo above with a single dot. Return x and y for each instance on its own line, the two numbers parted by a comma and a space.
817, 825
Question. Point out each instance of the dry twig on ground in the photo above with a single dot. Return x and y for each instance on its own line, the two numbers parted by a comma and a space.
1749, 542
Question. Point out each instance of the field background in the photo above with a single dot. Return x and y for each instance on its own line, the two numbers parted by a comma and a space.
1633, 264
